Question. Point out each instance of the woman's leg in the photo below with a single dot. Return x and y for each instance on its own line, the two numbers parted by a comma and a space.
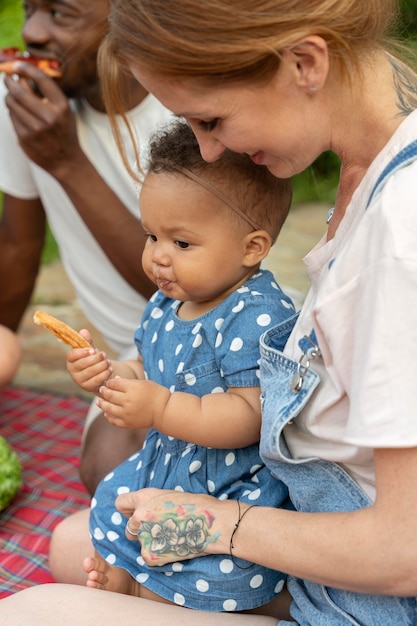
66, 605
70, 544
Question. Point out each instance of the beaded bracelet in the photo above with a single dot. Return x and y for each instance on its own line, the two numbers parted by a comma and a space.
240, 518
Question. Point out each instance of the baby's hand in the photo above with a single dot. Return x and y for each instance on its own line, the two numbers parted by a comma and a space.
125, 402
88, 367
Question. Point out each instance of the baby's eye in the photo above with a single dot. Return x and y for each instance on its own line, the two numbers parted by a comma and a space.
151, 237
182, 244
208, 125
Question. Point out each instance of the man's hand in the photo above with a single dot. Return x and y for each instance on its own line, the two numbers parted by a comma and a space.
42, 118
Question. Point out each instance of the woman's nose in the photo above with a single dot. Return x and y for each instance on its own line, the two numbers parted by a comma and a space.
211, 148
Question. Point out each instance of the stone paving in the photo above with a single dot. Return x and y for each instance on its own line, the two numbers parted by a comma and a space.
43, 364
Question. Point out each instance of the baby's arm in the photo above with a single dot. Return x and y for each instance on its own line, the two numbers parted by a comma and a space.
219, 420
90, 368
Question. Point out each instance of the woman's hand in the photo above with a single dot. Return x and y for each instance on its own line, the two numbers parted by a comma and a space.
175, 526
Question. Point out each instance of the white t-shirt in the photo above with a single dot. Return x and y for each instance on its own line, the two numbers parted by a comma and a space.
363, 303
111, 304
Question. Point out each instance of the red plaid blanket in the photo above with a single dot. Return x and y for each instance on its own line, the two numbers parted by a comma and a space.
45, 432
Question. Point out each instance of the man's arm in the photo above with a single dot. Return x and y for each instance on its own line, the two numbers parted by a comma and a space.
47, 133
22, 234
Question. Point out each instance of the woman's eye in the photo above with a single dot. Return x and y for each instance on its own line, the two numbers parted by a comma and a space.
208, 126
182, 244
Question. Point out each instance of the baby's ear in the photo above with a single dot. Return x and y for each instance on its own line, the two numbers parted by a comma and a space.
257, 246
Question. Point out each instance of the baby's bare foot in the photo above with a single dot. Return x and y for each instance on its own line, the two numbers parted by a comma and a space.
102, 575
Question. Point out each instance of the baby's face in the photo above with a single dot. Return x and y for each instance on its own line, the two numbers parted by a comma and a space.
194, 249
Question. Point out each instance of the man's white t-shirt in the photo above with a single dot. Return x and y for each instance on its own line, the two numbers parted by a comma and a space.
111, 304
363, 304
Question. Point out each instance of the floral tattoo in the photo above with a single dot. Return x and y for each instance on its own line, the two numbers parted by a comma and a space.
179, 533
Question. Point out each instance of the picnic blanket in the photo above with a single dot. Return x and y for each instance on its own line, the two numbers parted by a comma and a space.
45, 431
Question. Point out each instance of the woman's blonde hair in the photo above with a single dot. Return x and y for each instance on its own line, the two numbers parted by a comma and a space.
240, 39
236, 40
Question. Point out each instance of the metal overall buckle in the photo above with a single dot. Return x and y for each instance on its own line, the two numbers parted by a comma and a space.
311, 350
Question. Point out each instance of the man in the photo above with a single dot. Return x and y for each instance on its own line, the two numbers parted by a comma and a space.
59, 164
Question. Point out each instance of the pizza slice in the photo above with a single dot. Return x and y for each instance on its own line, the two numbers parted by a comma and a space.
9, 56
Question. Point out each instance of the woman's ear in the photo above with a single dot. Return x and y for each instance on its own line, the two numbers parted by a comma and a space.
257, 246
310, 61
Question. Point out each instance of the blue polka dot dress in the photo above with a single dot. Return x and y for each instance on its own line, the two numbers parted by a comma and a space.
206, 355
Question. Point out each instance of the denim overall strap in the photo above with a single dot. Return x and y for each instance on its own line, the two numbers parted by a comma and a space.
404, 157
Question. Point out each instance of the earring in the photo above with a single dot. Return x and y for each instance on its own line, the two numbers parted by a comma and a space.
313, 88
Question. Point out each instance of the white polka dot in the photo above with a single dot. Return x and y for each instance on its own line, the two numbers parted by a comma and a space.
168, 573
172, 389
139, 465
196, 328
219, 340
223, 496
109, 476
98, 534
167, 458
154, 338
179, 599
211, 487
238, 307
152, 475
279, 586
226, 566
134, 456
190, 379
180, 367
178, 349
230, 458
156, 313
230, 605
111, 558
286, 304
256, 581
186, 451
112, 536
194, 467
243, 289
236, 344
122, 489
169, 326
117, 518
218, 323
202, 585
158, 443
93, 503
254, 495
179, 488
161, 365
255, 468
263, 320
140, 560
217, 390
197, 341
141, 578
177, 567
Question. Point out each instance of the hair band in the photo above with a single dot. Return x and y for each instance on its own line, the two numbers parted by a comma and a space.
216, 192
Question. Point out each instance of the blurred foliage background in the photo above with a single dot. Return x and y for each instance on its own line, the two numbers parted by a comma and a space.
317, 183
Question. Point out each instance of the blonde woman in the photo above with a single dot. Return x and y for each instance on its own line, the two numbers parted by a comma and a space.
285, 80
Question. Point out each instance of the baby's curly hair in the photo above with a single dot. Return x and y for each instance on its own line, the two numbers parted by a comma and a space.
261, 196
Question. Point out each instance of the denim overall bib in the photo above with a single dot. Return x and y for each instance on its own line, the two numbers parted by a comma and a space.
316, 485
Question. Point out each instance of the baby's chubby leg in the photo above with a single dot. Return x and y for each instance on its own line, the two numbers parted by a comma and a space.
69, 544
